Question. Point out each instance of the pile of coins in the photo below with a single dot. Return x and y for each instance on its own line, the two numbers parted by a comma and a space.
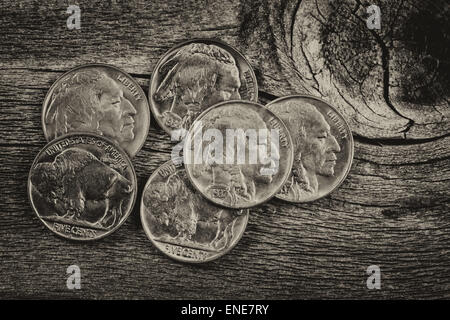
233, 154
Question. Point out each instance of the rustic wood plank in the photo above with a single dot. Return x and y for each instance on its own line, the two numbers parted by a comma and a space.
391, 211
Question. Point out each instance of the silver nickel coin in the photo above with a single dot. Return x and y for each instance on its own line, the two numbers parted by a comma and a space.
323, 147
183, 224
238, 154
195, 75
100, 99
82, 186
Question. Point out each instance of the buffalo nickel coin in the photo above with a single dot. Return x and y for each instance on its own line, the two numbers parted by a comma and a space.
238, 154
82, 186
183, 224
100, 99
195, 75
323, 147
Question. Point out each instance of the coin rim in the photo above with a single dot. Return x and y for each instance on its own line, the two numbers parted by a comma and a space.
149, 234
184, 43
352, 146
68, 135
90, 65
290, 164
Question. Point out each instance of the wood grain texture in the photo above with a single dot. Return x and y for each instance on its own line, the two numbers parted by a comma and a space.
391, 211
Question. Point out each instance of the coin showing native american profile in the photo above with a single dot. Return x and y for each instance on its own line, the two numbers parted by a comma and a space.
82, 186
192, 77
183, 224
100, 99
238, 154
323, 147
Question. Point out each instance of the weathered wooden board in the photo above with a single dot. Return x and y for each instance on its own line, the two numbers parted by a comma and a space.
392, 210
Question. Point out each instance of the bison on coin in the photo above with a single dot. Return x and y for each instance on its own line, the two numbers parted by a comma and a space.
81, 189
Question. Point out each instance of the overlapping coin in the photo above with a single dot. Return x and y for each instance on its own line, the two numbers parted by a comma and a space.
195, 75
184, 225
323, 147
238, 154
82, 186
101, 99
